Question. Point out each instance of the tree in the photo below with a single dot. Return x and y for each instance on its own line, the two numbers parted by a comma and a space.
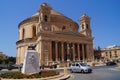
8, 60
1, 60
12, 60
97, 53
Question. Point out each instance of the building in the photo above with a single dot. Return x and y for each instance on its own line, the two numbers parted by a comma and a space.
2, 55
110, 53
56, 37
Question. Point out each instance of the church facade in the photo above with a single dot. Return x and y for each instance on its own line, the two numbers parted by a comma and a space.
56, 37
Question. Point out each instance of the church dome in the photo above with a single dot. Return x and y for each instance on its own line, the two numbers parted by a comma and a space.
35, 17
53, 12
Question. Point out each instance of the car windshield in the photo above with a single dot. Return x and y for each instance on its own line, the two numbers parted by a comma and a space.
83, 64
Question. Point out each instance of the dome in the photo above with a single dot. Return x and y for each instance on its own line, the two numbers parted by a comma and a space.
35, 17
36, 14
53, 12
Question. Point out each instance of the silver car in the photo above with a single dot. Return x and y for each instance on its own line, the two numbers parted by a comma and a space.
80, 67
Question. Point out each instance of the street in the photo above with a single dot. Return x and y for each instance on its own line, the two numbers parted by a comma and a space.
99, 73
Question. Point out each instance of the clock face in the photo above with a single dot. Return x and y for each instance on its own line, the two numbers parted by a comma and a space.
46, 28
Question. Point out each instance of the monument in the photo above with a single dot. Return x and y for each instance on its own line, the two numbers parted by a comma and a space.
30, 64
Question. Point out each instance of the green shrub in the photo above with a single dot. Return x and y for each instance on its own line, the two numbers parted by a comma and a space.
19, 75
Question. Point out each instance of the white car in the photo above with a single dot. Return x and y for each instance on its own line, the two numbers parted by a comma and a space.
80, 67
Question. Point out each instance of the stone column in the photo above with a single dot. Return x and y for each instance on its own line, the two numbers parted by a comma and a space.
20, 54
73, 52
24, 52
56, 49
50, 48
38, 50
42, 52
78, 52
17, 56
87, 51
92, 52
68, 51
62, 51
83, 52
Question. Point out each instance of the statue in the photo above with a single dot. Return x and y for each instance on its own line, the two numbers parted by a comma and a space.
31, 47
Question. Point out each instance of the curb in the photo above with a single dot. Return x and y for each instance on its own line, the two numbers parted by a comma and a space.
62, 76
65, 77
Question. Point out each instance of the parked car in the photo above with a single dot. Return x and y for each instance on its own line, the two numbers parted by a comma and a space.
8, 66
110, 63
80, 67
3, 66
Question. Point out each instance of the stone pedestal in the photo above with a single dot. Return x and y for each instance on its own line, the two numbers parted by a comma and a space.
30, 64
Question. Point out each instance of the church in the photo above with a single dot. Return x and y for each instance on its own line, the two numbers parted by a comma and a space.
56, 37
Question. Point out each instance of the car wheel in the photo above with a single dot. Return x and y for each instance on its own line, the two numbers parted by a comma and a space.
82, 71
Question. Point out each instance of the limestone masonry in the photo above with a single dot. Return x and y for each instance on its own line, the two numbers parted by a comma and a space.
56, 37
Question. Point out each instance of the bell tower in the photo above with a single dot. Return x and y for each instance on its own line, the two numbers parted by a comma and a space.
44, 17
85, 25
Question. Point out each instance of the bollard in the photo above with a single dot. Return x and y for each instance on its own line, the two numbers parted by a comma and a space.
65, 70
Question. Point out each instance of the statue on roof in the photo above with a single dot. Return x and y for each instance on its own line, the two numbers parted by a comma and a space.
31, 47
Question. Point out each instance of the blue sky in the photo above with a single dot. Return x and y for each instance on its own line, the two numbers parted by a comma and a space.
105, 19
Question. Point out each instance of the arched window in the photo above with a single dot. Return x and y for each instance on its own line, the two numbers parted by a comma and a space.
34, 31
110, 54
87, 26
23, 33
115, 53
63, 28
82, 26
106, 54
45, 18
